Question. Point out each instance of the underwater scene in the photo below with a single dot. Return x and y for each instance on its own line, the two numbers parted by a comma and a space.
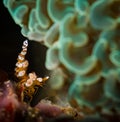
61, 62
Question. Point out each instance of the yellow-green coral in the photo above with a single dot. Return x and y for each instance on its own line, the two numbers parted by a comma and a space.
83, 39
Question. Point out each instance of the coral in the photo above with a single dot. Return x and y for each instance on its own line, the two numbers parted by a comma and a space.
83, 40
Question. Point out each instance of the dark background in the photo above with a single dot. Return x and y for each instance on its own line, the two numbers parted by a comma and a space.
11, 41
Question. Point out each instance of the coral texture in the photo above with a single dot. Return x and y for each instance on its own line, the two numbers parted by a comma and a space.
83, 40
